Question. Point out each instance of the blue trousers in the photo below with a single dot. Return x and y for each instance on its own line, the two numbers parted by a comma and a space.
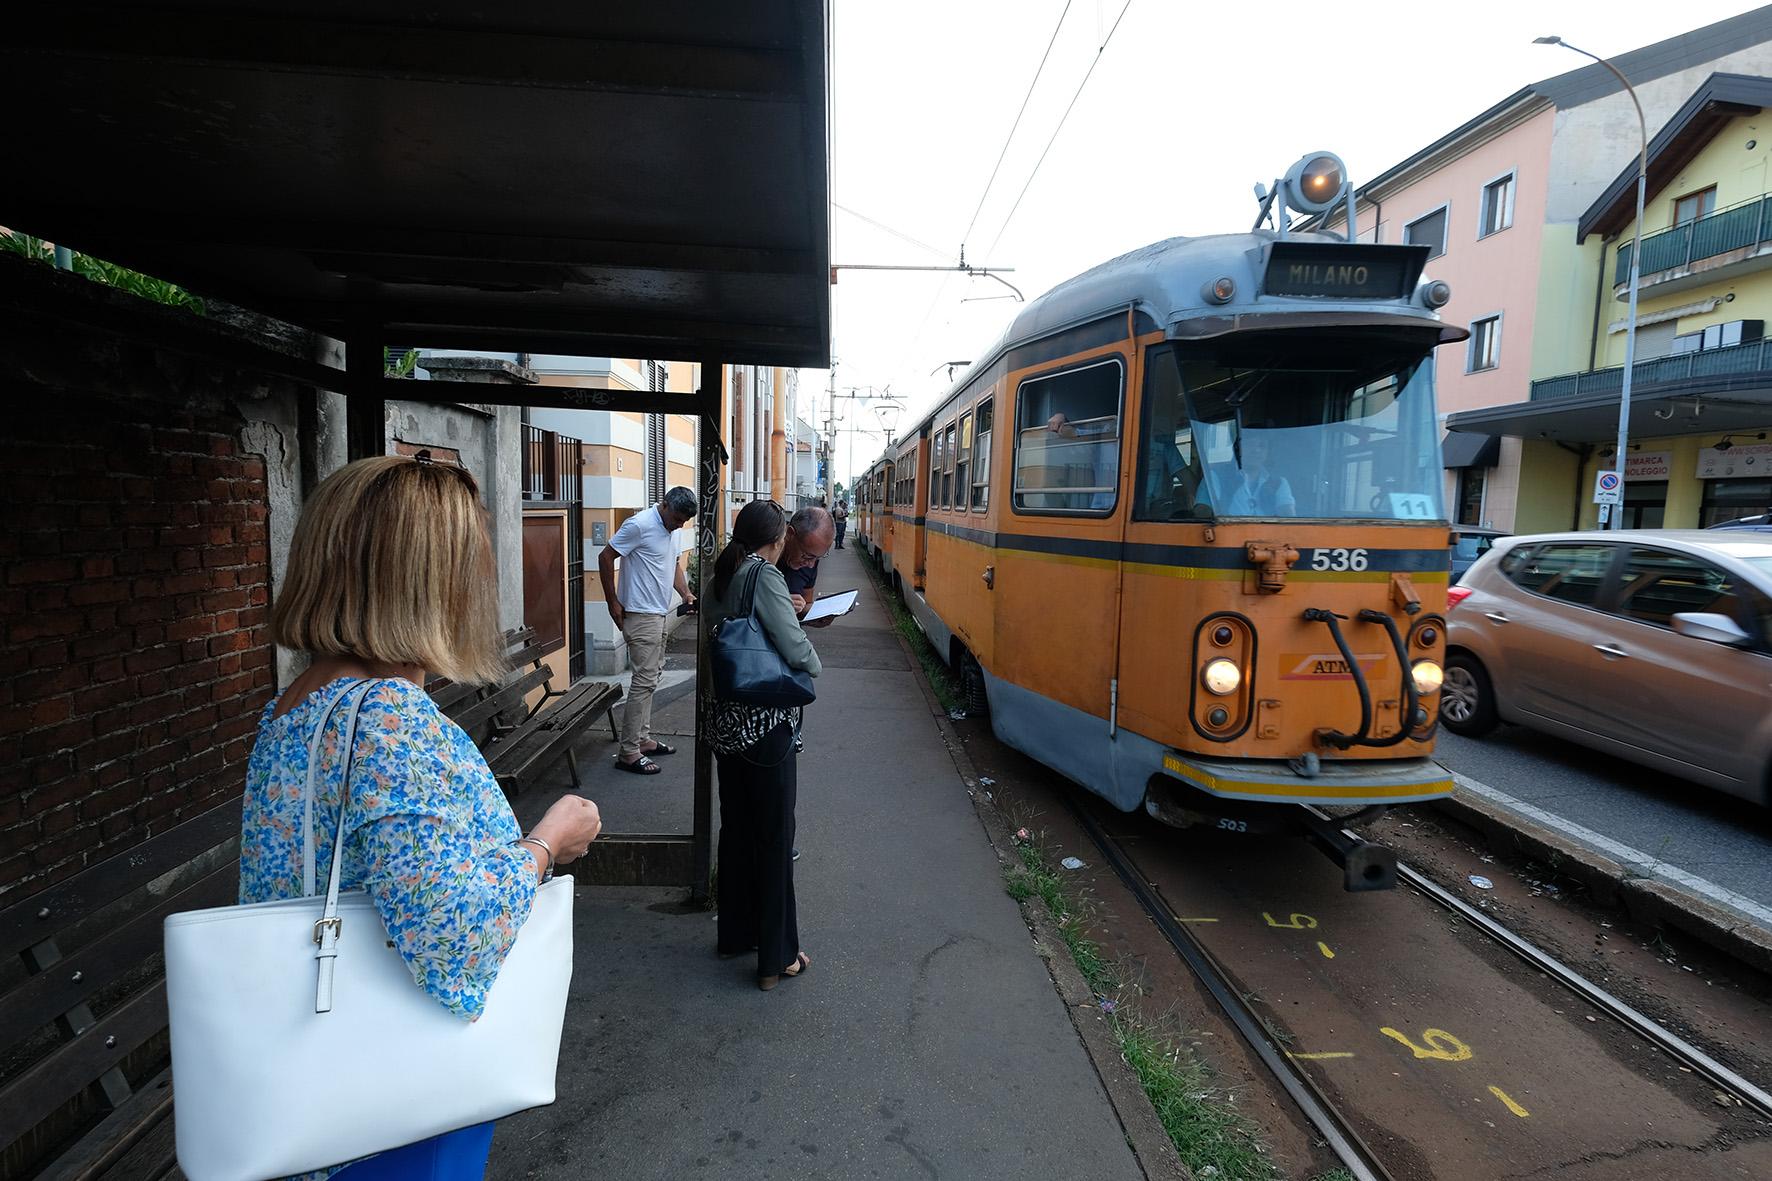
453, 1156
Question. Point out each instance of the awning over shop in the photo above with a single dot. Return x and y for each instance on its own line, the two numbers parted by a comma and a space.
640, 180
1468, 449
1594, 418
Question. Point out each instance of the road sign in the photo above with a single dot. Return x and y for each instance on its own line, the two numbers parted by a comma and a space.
1608, 488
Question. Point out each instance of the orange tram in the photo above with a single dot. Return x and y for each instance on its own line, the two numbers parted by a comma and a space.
1181, 532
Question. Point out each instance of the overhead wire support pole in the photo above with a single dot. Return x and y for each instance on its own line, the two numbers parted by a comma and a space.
961, 268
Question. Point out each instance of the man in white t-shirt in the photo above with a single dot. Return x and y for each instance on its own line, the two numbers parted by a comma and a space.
639, 604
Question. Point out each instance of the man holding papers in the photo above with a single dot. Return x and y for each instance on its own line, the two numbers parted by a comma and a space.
810, 535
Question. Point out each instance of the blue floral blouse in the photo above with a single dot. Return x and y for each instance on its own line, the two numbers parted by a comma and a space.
429, 834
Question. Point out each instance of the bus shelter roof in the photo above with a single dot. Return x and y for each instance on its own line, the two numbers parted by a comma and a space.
640, 180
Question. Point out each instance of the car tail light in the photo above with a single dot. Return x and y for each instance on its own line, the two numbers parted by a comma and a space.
1456, 595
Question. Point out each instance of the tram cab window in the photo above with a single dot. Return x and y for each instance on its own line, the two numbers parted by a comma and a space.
1168, 467
1067, 454
1320, 423
981, 459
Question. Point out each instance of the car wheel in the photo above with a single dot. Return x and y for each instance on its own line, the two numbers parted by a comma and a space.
1467, 699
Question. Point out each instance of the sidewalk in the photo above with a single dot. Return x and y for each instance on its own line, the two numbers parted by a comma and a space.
927, 1039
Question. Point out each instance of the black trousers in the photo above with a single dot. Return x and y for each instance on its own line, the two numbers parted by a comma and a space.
842, 527
757, 791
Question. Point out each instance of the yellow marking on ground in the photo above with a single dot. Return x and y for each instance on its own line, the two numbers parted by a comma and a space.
1324, 948
1509, 1103
1440, 1045
1179, 919
1320, 1057
1294, 921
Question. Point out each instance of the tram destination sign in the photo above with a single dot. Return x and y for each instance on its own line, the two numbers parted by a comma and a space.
1338, 271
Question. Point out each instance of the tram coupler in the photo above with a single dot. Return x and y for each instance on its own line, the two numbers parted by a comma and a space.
1364, 866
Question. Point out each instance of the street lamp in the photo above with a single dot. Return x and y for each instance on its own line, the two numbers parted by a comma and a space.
1636, 257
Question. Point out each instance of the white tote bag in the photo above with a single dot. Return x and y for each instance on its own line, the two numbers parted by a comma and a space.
300, 1040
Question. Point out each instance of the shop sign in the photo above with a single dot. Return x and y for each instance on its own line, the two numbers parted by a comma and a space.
1742, 461
1649, 465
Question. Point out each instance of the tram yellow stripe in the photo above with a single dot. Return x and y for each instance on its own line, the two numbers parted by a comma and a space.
1193, 573
1317, 791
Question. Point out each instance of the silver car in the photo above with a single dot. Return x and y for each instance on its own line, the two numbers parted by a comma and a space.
1651, 644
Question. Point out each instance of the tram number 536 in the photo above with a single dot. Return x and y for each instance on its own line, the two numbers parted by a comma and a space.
1338, 559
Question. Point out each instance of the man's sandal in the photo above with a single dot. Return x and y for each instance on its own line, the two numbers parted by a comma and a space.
802, 961
640, 766
661, 748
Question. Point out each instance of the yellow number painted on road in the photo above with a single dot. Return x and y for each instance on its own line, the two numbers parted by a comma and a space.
1440, 1045
1294, 922
1508, 1102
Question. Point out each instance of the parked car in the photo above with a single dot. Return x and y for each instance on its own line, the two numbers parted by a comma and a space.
1654, 645
1760, 524
1470, 542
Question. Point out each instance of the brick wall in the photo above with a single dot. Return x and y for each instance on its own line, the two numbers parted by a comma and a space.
133, 600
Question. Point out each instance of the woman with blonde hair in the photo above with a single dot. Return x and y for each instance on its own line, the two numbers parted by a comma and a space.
391, 577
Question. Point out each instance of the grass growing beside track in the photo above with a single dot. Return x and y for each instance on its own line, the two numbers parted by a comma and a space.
941, 678
1210, 1135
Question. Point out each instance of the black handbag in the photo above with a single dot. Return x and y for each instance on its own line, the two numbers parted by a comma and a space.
747, 669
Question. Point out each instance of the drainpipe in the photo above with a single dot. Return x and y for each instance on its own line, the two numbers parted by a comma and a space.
778, 438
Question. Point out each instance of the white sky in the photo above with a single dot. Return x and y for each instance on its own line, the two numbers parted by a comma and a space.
1191, 104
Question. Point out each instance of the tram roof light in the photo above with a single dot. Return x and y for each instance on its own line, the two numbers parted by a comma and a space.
1316, 183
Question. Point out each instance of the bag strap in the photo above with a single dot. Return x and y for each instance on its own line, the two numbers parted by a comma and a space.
327, 928
307, 802
754, 571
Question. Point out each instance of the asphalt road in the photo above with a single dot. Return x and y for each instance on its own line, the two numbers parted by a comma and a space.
1669, 821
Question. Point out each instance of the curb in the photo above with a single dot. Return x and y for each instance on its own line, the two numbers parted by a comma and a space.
1646, 900
1150, 1144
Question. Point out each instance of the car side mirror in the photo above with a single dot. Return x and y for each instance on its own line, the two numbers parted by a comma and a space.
1707, 625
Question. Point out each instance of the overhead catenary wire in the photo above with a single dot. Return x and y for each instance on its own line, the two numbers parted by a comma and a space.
880, 225
1101, 49
1010, 138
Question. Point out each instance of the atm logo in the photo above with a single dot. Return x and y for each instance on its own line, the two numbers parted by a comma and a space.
1327, 666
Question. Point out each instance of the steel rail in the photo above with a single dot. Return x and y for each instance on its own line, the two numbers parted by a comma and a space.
1353, 1152
1644, 1026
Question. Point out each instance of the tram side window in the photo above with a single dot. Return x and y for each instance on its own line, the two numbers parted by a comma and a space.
947, 473
1067, 454
963, 463
981, 459
1169, 476
937, 458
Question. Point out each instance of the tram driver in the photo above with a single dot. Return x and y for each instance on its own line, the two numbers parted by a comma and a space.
1259, 491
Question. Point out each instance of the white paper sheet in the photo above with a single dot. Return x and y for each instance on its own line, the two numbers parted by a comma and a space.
827, 606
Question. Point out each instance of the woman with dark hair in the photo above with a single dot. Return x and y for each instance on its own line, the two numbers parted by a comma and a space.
754, 747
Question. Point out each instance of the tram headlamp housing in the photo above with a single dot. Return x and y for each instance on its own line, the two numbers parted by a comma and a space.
1437, 294
1219, 290
1316, 183
1221, 676
1428, 676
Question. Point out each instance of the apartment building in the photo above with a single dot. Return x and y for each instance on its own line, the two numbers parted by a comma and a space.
1500, 201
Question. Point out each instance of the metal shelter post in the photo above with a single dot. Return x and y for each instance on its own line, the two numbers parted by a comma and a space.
707, 544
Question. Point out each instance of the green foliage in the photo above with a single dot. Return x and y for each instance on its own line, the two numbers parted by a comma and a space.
1210, 1135
108, 273
404, 365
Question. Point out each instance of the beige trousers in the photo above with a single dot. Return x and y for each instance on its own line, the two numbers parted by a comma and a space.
645, 635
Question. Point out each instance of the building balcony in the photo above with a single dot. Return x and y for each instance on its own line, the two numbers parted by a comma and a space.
1724, 368
1733, 239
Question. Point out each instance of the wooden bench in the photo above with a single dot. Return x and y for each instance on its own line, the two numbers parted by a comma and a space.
85, 1090
520, 742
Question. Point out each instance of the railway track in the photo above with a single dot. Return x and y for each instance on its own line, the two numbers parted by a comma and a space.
1337, 1114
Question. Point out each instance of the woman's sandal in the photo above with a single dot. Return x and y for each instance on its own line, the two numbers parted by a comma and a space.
802, 961
640, 766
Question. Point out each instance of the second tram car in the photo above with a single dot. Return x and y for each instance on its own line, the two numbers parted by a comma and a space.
1181, 530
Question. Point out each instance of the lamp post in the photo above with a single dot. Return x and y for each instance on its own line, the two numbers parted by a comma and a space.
1620, 460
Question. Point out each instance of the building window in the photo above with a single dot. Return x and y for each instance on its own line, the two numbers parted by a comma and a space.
1693, 206
1429, 231
1645, 504
1485, 346
1471, 481
1067, 452
1730, 500
1498, 206
981, 462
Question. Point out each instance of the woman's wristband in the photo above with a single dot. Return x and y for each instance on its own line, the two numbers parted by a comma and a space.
546, 848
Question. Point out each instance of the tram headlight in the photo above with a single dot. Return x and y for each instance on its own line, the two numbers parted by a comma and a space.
1428, 675
1221, 676
1315, 183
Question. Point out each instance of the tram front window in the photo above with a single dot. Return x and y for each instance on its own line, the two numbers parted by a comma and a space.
1301, 423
